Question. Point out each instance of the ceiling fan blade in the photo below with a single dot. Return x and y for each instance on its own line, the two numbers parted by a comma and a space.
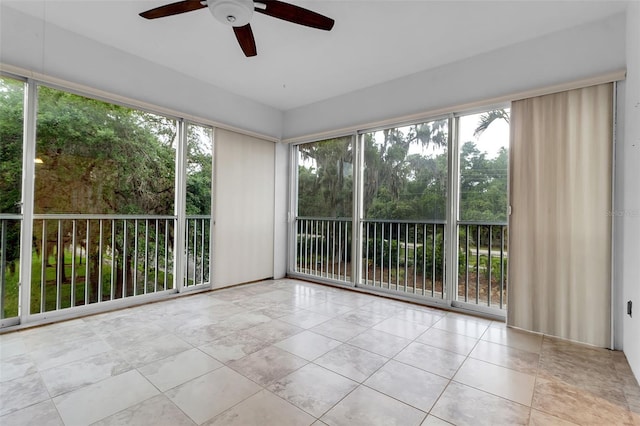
295, 14
246, 40
173, 9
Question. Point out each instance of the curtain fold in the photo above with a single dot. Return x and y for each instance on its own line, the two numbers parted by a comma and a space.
560, 225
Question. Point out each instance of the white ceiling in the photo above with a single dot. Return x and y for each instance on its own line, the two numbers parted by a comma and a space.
373, 41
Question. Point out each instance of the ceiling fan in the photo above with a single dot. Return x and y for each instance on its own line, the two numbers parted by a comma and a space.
238, 13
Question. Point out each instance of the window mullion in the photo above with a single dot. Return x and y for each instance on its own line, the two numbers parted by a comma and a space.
28, 185
357, 213
451, 241
179, 253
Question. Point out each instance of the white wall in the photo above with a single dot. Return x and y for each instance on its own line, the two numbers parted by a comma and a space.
244, 209
568, 55
617, 265
28, 43
629, 190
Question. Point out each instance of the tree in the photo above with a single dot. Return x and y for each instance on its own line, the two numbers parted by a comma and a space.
11, 113
199, 170
101, 158
325, 178
388, 164
483, 184
489, 117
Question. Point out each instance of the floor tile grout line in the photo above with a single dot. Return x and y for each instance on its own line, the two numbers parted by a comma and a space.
363, 383
482, 390
300, 408
261, 388
468, 356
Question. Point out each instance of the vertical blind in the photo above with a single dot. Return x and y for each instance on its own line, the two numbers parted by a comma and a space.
560, 227
244, 208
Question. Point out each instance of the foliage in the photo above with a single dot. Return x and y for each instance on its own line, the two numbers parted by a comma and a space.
97, 157
399, 185
489, 117
405, 175
428, 263
320, 247
498, 268
483, 185
11, 112
102, 158
383, 253
325, 178
199, 170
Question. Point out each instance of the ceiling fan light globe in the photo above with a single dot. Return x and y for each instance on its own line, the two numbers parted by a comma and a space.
235, 13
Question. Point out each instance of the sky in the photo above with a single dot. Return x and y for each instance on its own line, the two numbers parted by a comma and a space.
491, 140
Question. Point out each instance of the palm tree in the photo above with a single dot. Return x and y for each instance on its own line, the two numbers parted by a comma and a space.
489, 117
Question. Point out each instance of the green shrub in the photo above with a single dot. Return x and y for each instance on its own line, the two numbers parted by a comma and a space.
427, 263
383, 252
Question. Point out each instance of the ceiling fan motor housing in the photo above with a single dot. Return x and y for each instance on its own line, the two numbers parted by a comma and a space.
235, 13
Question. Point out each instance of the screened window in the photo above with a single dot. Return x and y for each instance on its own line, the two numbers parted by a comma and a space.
484, 159
199, 174
405, 174
325, 204
325, 178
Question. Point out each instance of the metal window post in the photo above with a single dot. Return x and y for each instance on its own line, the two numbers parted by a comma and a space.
28, 185
292, 262
451, 227
179, 254
357, 214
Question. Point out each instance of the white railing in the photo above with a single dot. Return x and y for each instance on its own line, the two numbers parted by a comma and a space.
80, 259
482, 263
408, 257
323, 248
84, 259
404, 256
197, 250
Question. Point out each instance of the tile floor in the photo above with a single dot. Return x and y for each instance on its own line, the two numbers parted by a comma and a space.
287, 352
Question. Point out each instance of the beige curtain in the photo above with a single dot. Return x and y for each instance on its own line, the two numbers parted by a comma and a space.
560, 227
